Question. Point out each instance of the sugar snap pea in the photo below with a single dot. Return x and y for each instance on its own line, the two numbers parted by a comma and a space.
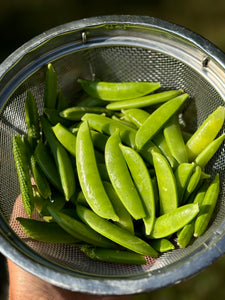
91, 102
157, 119
117, 90
75, 113
65, 137
114, 255
50, 93
145, 101
162, 245
54, 117
120, 177
142, 180
193, 183
115, 233
89, 177
205, 133
136, 115
173, 221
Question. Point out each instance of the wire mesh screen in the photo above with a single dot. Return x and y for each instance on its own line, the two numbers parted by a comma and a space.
117, 63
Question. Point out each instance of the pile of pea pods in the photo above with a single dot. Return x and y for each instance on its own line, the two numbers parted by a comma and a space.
116, 175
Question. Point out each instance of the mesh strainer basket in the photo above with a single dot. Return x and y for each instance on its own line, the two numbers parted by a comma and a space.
113, 48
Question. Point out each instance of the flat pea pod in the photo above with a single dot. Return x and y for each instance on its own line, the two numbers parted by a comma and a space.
114, 255
174, 140
157, 119
62, 159
79, 230
204, 157
115, 233
168, 198
182, 174
114, 91
173, 221
75, 113
193, 183
89, 177
136, 115
142, 180
145, 101
207, 207
109, 126
48, 232
125, 220
32, 119
66, 138
205, 133
47, 165
162, 245
50, 92
121, 179
22, 168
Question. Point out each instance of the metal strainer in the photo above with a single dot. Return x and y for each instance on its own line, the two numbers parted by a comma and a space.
114, 48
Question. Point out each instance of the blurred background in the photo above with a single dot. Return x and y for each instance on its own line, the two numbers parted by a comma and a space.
21, 20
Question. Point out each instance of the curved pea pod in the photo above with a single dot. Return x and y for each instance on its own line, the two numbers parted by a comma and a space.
79, 230
40, 179
125, 220
48, 232
136, 115
207, 207
62, 159
158, 118
89, 177
50, 93
185, 235
114, 255
182, 174
145, 101
174, 140
99, 140
142, 180
75, 113
204, 157
32, 119
109, 126
66, 138
162, 245
47, 165
54, 117
146, 151
173, 221
193, 183
205, 133
114, 91
22, 168
115, 233
121, 179
166, 184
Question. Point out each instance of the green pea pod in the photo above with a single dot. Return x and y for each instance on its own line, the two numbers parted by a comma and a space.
22, 168
62, 160
174, 140
146, 151
32, 119
162, 245
204, 157
79, 230
48, 232
57, 202
136, 115
173, 221
109, 126
205, 133
54, 117
157, 119
142, 180
89, 177
207, 207
66, 138
182, 174
50, 93
61, 101
114, 256
99, 140
115, 233
145, 101
91, 102
40, 179
125, 221
114, 91
124, 121
193, 183
121, 178
75, 113
168, 198
47, 165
